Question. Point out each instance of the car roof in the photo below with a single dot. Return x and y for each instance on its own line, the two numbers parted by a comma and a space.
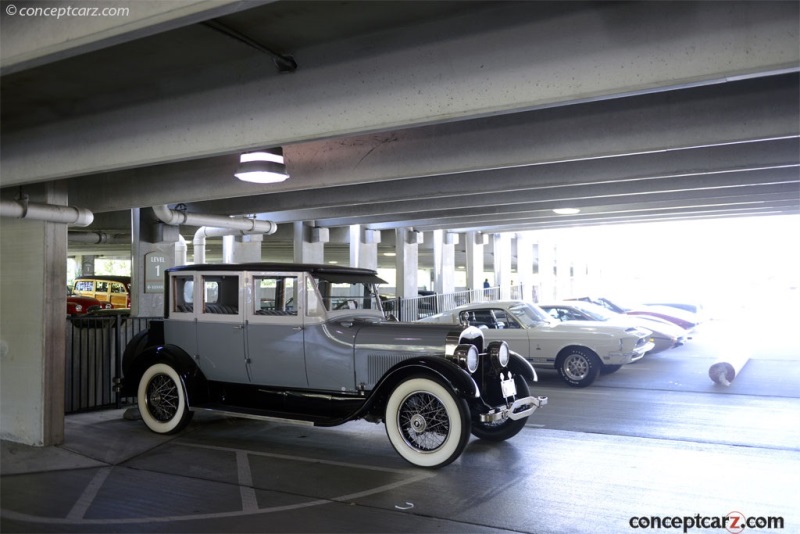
110, 277
330, 272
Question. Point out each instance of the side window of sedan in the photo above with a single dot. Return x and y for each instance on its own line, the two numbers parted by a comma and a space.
221, 295
183, 294
276, 295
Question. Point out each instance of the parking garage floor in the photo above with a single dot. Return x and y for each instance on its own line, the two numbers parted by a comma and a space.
653, 442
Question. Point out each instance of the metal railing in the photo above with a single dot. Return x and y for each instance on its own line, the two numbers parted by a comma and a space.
93, 359
413, 309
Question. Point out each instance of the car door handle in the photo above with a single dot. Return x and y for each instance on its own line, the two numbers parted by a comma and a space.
297, 328
238, 327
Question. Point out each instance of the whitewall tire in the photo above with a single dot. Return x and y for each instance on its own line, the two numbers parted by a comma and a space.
426, 422
162, 400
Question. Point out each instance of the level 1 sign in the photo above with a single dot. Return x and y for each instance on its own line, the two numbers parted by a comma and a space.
154, 265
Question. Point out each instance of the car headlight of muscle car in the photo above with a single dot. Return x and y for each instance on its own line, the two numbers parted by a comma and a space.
498, 353
467, 357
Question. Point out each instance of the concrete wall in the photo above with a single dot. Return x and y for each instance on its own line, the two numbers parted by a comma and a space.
32, 327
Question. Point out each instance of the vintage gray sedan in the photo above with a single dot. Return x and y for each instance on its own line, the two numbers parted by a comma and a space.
310, 344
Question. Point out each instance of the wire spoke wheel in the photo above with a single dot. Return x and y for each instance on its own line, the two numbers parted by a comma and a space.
162, 400
426, 422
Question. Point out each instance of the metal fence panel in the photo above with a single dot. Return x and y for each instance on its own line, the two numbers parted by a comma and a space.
93, 359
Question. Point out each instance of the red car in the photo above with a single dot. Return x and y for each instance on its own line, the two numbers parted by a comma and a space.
77, 305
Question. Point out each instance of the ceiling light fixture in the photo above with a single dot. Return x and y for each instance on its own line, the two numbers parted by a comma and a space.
566, 211
263, 167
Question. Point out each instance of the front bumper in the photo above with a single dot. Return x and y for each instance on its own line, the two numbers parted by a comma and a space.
621, 358
519, 409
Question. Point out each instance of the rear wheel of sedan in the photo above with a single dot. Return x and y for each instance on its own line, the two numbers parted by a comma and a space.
508, 428
162, 400
578, 366
426, 422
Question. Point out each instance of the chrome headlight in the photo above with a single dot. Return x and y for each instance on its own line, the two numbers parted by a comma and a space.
498, 353
467, 357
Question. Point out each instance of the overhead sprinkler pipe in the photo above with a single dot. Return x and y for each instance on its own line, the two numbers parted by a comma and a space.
99, 238
199, 241
22, 209
176, 218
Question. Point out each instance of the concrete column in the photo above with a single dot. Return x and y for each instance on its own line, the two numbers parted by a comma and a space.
87, 265
33, 328
563, 269
580, 279
502, 264
363, 247
407, 261
247, 249
149, 236
547, 259
444, 262
309, 243
355, 245
475, 267
525, 267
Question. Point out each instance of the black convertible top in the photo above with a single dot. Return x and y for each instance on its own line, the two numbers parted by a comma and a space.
332, 273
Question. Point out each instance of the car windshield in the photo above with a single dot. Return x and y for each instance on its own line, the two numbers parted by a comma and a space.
595, 312
529, 315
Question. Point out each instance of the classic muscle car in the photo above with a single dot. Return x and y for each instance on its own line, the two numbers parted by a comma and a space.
665, 335
310, 344
579, 350
684, 319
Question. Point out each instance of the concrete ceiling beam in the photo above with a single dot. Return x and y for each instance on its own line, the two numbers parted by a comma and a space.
492, 62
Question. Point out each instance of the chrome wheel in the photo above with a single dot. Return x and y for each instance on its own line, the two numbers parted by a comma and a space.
576, 366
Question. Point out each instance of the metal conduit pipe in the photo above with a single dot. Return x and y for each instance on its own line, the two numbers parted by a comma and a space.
99, 238
22, 209
175, 217
212, 226
199, 241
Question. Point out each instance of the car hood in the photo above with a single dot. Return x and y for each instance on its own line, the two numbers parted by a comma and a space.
599, 327
420, 338
658, 326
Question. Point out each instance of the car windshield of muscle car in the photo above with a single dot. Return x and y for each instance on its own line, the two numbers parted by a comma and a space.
310, 344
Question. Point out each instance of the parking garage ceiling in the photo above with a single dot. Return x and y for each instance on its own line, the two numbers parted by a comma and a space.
462, 116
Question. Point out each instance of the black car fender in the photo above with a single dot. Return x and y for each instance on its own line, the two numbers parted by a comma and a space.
445, 371
520, 366
194, 382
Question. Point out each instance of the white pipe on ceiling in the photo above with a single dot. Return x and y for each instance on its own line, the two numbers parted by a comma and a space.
22, 209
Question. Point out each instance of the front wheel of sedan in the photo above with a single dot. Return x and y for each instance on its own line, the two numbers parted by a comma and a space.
503, 430
426, 422
578, 366
162, 400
